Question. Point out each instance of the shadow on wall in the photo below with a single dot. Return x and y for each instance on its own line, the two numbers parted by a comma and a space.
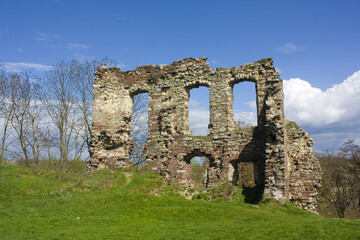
249, 168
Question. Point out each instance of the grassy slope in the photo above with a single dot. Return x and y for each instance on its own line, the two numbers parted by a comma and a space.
37, 204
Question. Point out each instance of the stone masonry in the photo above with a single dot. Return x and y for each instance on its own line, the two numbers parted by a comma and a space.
280, 151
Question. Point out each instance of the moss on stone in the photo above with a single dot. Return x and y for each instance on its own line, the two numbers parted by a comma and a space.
200, 137
292, 125
246, 130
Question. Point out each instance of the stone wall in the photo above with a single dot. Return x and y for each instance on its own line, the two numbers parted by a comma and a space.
171, 145
304, 179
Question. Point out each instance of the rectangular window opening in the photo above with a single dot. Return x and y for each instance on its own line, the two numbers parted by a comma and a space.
199, 111
244, 105
139, 127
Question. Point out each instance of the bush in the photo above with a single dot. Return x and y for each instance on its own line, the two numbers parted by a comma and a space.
224, 192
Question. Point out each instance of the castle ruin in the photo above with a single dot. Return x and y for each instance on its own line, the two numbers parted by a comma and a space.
280, 151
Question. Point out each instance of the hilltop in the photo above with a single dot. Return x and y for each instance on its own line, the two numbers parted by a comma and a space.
44, 204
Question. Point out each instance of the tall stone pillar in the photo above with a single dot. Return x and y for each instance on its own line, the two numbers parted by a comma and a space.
221, 112
271, 124
112, 111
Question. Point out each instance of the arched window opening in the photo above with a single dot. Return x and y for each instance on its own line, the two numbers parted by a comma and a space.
199, 111
139, 127
244, 105
202, 167
200, 170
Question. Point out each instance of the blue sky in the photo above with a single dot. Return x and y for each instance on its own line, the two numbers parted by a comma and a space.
315, 41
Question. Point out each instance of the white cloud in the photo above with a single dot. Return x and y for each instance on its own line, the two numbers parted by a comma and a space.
82, 57
20, 50
193, 103
331, 116
213, 61
312, 106
247, 117
20, 66
121, 65
52, 40
77, 46
288, 48
198, 121
46, 37
251, 104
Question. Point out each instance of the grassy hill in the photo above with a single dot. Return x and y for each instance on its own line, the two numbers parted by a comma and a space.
43, 204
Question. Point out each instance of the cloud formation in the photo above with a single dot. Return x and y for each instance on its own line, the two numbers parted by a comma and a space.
46, 37
289, 48
77, 46
198, 120
251, 104
193, 102
331, 116
51, 40
21, 66
314, 107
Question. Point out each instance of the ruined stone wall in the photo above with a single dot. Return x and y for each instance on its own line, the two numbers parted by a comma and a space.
304, 179
171, 145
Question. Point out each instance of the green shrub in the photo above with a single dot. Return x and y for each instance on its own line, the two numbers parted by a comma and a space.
223, 192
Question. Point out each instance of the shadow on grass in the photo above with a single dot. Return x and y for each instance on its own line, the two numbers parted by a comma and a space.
253, 195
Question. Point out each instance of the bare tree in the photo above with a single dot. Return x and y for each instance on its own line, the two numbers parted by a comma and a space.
48, 141
336, 186
61, 103
351, 151
242, 124
6, 112
34, 123
341, 178
69, 103
26, 116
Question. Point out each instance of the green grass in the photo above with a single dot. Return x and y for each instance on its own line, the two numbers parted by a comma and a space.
42, 204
